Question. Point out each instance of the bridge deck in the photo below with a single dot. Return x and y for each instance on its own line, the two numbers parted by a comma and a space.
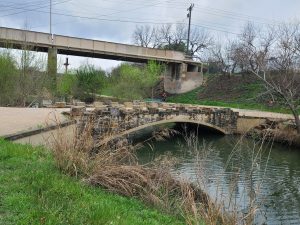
39, 41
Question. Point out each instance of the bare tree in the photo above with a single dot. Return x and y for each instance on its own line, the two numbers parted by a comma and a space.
172, 38
239, 56
272, 55
221, 55
252, 50
145, 36
248, 46
32, 77
281, 71
199, 41
164, 35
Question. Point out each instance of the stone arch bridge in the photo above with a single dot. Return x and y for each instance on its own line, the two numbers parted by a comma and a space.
121, 119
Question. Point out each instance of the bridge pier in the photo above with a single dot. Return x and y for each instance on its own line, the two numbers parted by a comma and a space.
52, 68
182, 77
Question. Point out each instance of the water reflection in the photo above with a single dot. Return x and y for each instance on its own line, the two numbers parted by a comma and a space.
240, 176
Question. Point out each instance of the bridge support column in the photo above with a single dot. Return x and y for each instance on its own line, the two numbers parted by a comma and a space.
182, 77
173, 76
52, 68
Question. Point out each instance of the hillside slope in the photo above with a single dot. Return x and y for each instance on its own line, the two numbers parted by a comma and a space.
236, 91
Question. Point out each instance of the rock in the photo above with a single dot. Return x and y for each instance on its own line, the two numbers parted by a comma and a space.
60, 105
80, 104
46, 103
77, 110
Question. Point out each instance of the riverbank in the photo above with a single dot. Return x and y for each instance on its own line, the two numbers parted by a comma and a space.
34, 191
281, 131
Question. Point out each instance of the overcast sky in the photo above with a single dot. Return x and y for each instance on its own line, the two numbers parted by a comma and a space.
115, 20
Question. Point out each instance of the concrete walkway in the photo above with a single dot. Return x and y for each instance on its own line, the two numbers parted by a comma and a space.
262, 114
16, 120
255, 113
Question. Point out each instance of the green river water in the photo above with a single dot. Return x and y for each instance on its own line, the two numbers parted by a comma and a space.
236, 174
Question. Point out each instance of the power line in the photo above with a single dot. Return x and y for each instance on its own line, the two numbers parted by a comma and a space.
210, 23
32, 10
215, 29
12, 7
130, 10
140, 22
87, 17
152, 5
232, 17
124, 21
229, 14
241, 14
207, 10
24, 3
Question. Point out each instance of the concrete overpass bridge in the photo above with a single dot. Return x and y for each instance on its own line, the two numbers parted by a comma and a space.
116, 120
181, 75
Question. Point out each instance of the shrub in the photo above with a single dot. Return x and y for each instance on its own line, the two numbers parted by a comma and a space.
135, 82
89, 82
66, 85
8, 79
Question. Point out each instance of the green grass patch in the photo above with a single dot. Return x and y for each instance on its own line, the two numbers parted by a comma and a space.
34, 191
237, 104
242, 96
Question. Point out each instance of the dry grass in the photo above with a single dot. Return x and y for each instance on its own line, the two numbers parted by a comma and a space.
113, 165
72, 155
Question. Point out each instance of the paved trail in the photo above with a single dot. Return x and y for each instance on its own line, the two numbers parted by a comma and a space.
13, 120
256, 113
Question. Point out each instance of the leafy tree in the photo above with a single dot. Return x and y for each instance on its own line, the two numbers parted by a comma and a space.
127, 84
66, 85
131, 81
89, 82
152, 74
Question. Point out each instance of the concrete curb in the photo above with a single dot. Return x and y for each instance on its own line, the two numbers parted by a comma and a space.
23, 134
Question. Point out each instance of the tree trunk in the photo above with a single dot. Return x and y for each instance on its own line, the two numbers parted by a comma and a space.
152, 93
297, 120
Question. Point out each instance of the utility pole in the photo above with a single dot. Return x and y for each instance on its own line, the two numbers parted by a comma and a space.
66, 64
51, 21
189, 15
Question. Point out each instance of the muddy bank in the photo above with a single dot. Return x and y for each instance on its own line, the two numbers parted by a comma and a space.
281, 131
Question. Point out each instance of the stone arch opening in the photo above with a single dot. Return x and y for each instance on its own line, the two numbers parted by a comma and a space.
177, 121
198, 128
